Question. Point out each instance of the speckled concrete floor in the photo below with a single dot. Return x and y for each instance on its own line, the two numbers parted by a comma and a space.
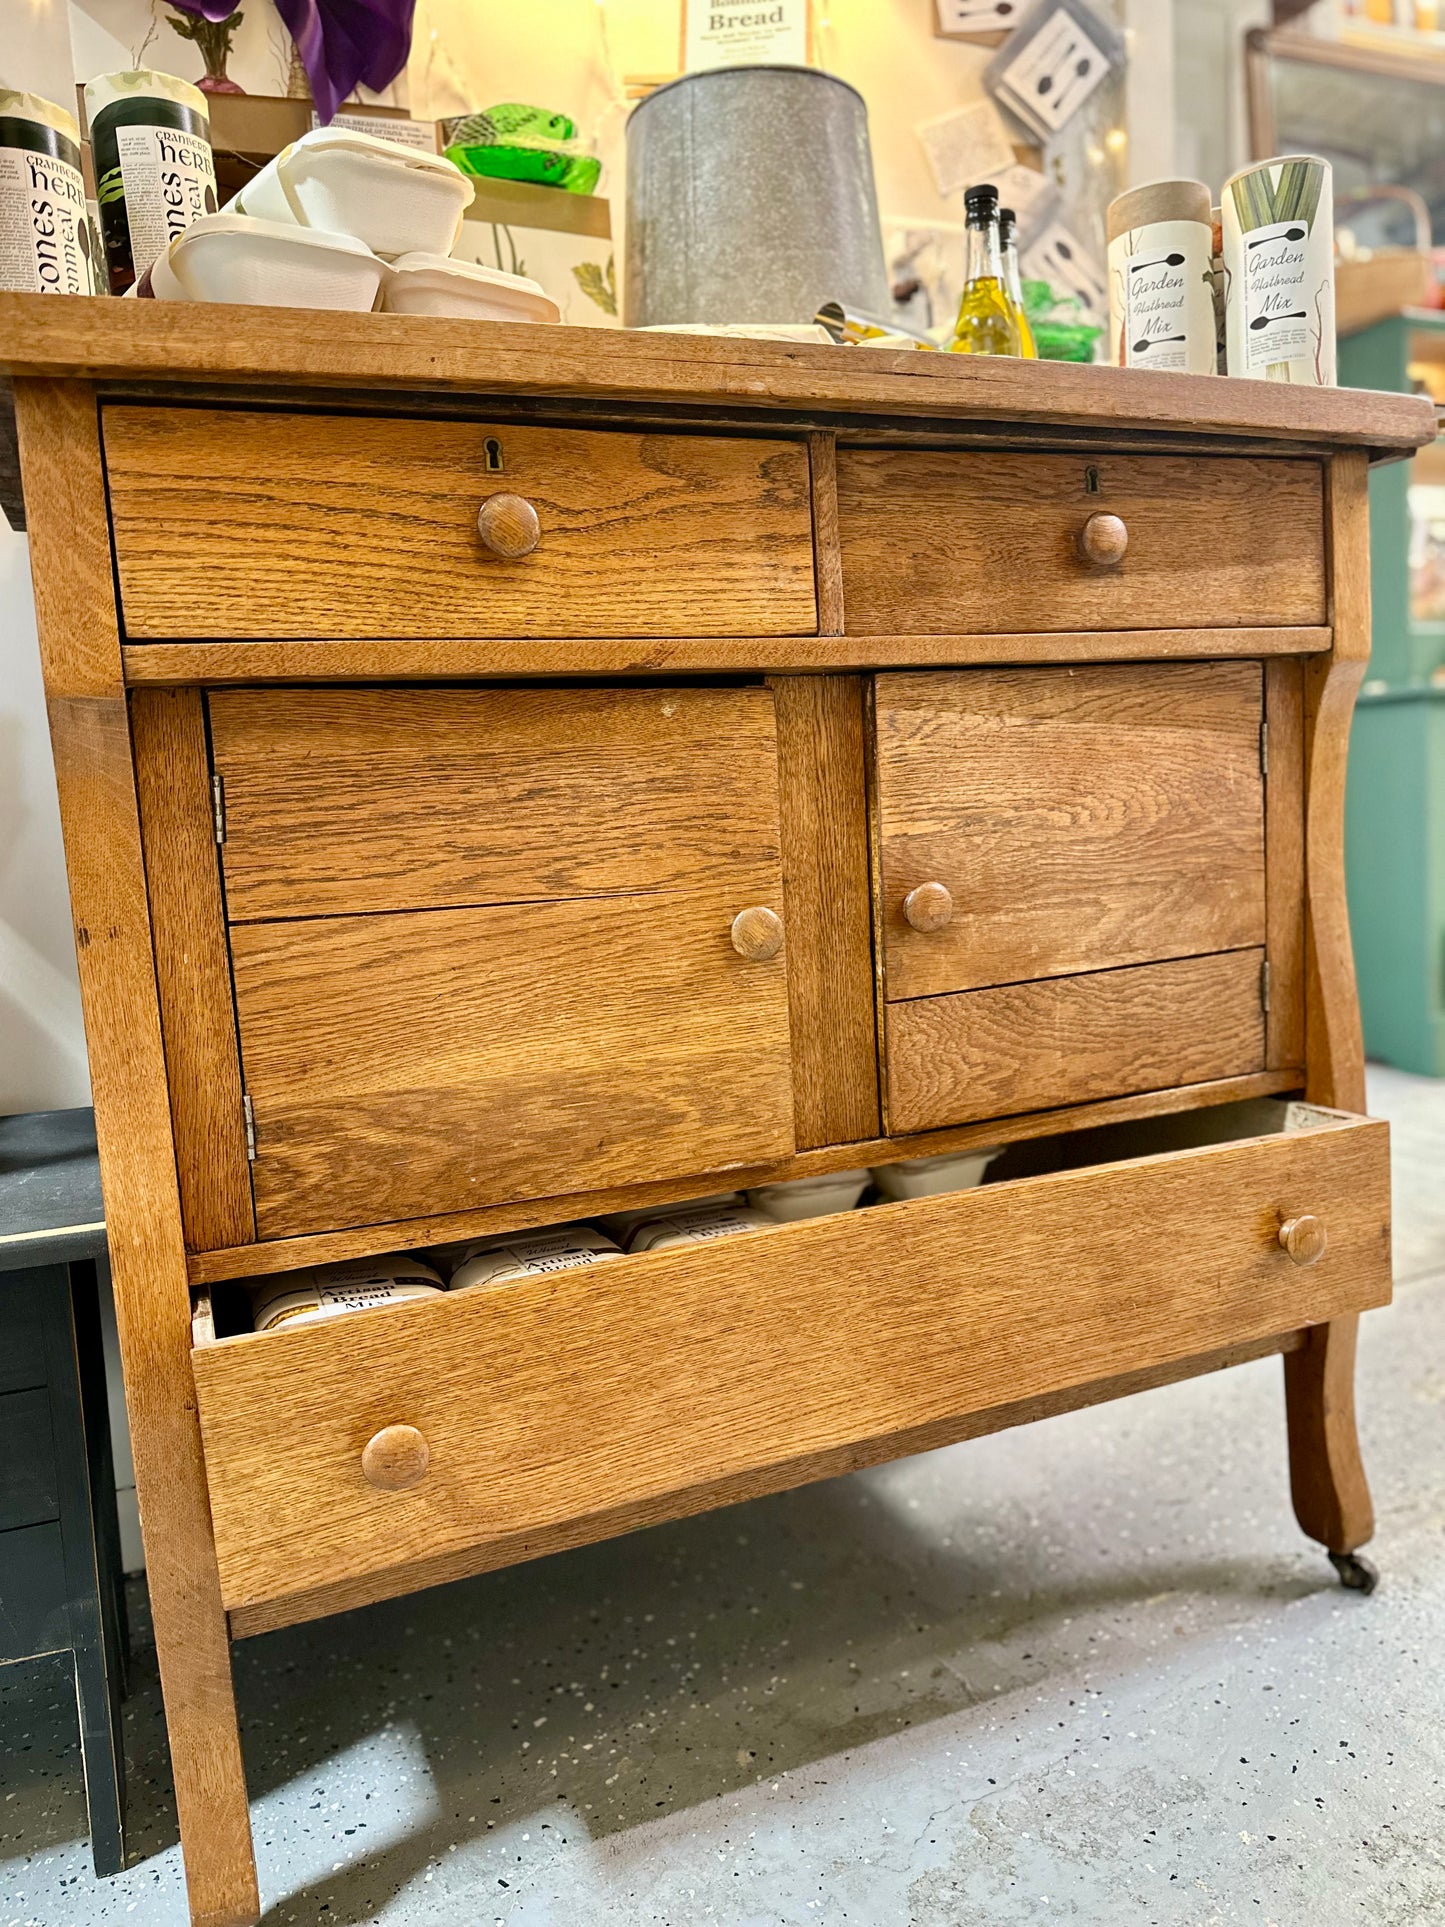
1084, 1672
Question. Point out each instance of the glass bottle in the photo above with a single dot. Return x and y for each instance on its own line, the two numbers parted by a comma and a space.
1013, 283
985, 324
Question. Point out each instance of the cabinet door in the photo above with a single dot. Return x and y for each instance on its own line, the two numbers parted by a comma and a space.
482, 947
1071, 883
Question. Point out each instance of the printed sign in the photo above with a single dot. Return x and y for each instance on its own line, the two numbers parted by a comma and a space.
745, 33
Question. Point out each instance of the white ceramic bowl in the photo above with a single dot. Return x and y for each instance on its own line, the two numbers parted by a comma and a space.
926, 1177
809, 1197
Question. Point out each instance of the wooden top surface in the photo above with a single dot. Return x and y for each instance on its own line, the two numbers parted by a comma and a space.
199, 343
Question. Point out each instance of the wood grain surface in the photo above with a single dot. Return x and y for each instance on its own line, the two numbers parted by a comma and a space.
823, 805
1284, 862
401, 659
371, 353
827, 561
962, 541
1328, 1486
193, 966
1022, 1047
341, 801
343, 1595
90, 736
571, 1395
1079, 818
414, 1234
254, 523
427, 1062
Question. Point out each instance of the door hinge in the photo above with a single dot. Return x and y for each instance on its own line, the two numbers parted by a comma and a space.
250, 1117
218, 805
1264, 987
1264, 749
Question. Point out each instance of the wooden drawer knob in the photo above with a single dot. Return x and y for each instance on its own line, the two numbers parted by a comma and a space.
757, 933
397, 1457
929, 907
1103, 541
1304, 1239
508, 526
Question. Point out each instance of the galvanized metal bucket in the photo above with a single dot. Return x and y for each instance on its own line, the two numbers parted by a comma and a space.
750, 198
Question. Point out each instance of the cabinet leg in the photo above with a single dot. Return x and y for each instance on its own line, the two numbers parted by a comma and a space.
1327, 1478
194, 1651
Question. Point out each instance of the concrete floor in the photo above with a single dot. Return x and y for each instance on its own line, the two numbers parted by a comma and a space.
1088, 1672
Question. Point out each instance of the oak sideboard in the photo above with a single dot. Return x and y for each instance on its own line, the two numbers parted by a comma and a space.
510, 774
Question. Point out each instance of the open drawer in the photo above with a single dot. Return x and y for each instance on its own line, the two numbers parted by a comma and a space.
566, 1407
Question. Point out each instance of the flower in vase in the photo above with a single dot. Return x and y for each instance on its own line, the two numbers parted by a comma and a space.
212, 25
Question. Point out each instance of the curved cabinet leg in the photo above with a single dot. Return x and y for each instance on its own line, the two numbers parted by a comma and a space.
1327, 1478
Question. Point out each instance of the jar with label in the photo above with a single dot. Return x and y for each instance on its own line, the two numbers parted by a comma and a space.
1161, 301
45, 233
331, 1291
1279, 271
151, 142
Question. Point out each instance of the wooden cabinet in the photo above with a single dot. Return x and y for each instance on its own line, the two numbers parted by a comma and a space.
958, 542
281, 524
511, 775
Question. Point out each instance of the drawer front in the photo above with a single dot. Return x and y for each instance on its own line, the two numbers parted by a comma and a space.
988, 543
249, 524
349, 800
1079, 819
574, 1397
481, 943
1069, 1040
29, 1495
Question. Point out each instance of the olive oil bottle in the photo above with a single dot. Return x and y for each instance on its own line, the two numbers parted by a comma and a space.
1013, 282
986, 324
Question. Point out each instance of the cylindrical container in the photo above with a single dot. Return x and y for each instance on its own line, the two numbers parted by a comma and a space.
1161, 303
810, 1197
928, 1177
680, 1226
1279, 271
529, 1254
750, 197
329, 1291
151, 142
45, 239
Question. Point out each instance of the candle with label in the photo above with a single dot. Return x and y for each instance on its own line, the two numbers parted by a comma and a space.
1161, 304
151, 141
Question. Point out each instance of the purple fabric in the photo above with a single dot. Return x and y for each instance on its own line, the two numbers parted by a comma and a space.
216, 10
344, 44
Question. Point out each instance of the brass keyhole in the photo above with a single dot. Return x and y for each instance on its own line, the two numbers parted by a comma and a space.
492, 450
1091, 481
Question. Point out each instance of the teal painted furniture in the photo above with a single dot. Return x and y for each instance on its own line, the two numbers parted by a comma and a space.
1395, 799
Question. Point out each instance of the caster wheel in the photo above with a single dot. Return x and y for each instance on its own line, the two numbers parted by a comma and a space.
1356, 1572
